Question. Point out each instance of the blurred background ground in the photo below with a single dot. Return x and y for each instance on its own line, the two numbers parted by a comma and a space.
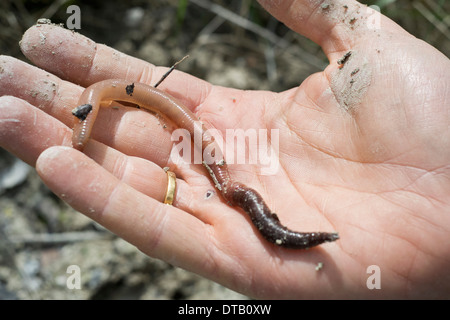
230, 43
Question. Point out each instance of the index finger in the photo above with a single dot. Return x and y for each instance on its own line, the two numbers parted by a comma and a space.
78, 59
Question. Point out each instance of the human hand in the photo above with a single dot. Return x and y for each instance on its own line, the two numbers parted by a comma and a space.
363, 150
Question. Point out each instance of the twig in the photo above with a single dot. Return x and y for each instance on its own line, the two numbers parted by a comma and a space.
260, 31
269, 53
211, 27
170, 70
53, 8
441, 26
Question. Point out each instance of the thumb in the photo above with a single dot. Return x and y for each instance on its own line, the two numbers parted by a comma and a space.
334, 25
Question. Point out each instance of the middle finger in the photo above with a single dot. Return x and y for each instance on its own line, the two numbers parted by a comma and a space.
135, 132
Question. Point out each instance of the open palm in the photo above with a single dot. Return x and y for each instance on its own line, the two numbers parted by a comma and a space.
364, 149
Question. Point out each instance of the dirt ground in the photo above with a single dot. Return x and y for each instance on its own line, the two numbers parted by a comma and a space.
235, 44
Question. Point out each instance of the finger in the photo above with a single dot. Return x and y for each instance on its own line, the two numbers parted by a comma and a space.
26, 131
159, 230
140, 174
74, 57
134, 132
38, 87
335, 25
194, 195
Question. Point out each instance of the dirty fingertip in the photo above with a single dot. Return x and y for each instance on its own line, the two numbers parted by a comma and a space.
51, 47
